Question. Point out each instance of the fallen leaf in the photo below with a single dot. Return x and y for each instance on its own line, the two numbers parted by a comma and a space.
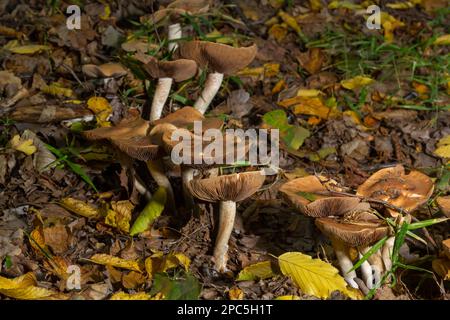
152, 210
312, 60
23, 288
57, 238
289, 20
278, 32
109, 260
442, 268
158, 262
28, 49
80, 207
132, 280
236, 294
442, 40
443, 147
119, 215
261, 270
356, 82
287, 298
24, 145
102, 110
130, 296
184, 287
55, 89
313, 276
389, 24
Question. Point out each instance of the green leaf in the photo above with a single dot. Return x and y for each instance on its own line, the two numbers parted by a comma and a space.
179, 288
152, 210
307, 195
277, 119
366, 256
295, 136
8, 262
425, 223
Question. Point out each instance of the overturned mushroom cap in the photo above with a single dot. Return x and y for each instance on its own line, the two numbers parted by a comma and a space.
304, 195
219, 57
233, 187
178, 70
129, 136
182, 118
107, 70
353, 233
407, 191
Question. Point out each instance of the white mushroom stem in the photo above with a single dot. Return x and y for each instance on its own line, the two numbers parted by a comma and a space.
226, 223
174, 33
386, 253
142, 189
367, 275
212, 85
160, 97
187, 174
376, 263
157, 172
345, 263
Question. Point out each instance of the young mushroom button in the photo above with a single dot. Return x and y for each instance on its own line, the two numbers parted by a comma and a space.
227, 190
221, 59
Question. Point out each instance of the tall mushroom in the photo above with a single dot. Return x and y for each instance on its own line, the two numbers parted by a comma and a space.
359, 231
166, 72
131, 137
227, 190
221, 59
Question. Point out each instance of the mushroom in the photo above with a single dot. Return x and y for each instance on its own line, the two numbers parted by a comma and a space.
358, 229
227, 190
107, 70
444, 204
221, 58
392, 185
166, 72
131, 137
173, 11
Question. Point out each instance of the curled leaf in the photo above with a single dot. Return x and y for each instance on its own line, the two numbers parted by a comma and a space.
151, 211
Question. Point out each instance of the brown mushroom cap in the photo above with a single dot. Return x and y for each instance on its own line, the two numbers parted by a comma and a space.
129, 136
354, 233
334, 206
444, 205
219, 57
179, 70
182, 118
233, 187
178, 8
407, 191
107, 70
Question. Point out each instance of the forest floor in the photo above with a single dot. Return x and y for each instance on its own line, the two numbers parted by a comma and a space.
348, 101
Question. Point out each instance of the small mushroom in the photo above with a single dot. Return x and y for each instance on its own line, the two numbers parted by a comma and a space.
407, 191
227, 190
221, 59
166, 72
444, 204
354, 230
107, 70
131, 137
174, 11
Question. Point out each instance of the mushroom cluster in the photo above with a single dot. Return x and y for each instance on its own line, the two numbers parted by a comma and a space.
349, 221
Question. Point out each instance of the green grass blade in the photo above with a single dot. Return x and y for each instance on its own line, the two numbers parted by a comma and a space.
366, 256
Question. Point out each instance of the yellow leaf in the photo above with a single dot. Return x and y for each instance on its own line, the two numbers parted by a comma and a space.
308, 93
157, 262
356, 82
37, 239
287, 298
271, 69
280, 85
313, 276
55, 89
220, 38
268, 70
25, 146
106, 13
101, 108
260, 270
313, 107
289, 20
236, 294
80, 207
315, 5
119, 215
400, 5
28, 49
278, 32
130, 296
23, 287
389, 24
108, 260
443, 149
442, 40
442, 268
343, 4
